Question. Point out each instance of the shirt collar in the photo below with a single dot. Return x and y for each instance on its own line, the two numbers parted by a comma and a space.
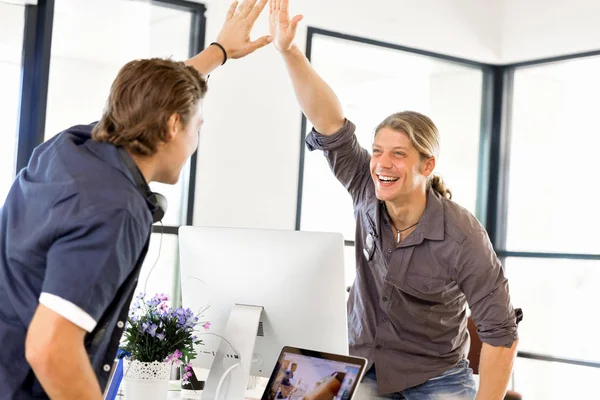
431, 224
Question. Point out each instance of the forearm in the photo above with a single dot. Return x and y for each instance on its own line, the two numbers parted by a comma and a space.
55, 351
66, 373
207, 61
495, 367
316, 98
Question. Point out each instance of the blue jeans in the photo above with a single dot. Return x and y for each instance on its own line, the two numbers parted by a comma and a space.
455, 384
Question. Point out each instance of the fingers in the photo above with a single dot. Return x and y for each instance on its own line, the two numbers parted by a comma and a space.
258, 9
247, 8
285, 7
294, 23
271, 6
231, 11
260, 42
327, 390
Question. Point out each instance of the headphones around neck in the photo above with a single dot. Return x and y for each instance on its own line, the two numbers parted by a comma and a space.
158, 202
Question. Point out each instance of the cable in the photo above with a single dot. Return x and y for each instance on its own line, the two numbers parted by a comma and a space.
162, 229
223, 379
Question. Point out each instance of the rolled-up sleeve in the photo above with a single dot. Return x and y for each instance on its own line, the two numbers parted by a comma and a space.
88, 263
480, 276
347, 159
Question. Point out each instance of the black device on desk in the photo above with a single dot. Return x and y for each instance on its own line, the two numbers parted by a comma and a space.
299, 372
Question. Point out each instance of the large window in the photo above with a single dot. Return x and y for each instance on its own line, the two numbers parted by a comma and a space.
552, 203
551, 245
12, 24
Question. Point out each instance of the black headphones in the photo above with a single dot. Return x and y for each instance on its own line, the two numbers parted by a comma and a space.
158, 202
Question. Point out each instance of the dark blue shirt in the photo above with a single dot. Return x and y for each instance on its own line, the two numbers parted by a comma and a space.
74, 225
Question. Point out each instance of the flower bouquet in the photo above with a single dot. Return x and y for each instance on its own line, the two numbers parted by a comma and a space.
156, 337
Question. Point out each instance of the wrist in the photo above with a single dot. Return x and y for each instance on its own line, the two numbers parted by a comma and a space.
220, 48
292, 51
207, 61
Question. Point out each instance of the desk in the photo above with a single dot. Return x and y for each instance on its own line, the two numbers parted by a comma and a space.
251, 394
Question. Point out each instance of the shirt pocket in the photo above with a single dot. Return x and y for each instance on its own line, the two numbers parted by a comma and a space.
425, 287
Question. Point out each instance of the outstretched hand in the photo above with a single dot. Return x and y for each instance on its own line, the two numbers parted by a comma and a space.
328, 390
283, 30
235, 33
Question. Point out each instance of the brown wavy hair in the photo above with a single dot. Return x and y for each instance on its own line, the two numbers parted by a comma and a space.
142, 98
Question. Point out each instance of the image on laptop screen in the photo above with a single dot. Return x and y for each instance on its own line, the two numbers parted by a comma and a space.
297, 375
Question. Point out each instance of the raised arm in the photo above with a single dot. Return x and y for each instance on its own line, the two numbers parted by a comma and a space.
234, 37
317, 100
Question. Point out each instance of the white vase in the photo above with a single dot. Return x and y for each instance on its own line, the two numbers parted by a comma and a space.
145, 380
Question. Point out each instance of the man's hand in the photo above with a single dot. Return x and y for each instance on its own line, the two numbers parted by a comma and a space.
282, 28
235, 33
328, 389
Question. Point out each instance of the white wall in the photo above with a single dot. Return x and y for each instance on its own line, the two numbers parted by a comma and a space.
534, 29
250, 144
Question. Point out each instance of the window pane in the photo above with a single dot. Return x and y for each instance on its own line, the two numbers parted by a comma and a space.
373, 82
555, 381
164, 258
12, 24
109, 34
552, 204
553, 294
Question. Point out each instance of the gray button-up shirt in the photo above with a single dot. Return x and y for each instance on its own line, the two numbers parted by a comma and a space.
407, 311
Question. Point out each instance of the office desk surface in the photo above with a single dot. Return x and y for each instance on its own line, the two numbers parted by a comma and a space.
251, 394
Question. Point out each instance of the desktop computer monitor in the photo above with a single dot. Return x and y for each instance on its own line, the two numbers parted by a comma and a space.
264, 289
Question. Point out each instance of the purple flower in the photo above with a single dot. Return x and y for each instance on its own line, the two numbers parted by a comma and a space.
152, 330
206, 325
160, 336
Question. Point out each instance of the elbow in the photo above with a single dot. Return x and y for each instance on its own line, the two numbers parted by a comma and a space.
329, 125
39, 355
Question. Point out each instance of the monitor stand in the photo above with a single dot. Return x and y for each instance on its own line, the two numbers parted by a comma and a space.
228, 376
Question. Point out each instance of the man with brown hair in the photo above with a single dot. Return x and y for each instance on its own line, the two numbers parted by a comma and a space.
76, 224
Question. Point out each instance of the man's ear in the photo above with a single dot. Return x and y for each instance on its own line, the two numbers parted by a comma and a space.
173, 127
428, 166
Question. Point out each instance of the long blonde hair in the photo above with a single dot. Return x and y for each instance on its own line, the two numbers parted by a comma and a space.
424, 137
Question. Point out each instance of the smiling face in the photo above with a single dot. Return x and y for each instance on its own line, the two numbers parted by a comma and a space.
397, 168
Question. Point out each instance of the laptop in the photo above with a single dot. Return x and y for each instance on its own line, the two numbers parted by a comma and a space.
301, 372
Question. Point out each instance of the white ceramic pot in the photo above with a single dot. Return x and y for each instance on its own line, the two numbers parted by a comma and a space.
146, 381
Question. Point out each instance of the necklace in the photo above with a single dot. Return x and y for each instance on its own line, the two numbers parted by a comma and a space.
399, 231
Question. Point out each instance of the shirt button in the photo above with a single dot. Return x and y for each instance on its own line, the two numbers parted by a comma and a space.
426, 288
389, 251
378, 347
120, 324
384, 319
106, 368
385, 299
